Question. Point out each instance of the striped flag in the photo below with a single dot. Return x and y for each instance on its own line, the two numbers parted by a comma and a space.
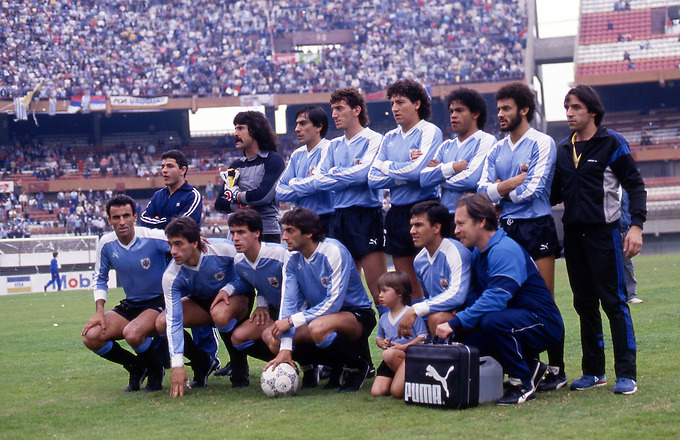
20, 111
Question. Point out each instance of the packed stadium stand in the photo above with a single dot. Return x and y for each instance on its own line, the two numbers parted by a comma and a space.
216, 47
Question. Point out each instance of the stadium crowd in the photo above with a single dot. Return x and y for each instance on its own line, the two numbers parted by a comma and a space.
212, 48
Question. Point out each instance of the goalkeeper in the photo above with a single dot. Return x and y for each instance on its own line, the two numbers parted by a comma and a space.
251, 180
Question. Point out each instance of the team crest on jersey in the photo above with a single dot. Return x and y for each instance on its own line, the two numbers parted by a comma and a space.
274, 282
146, 263
219, 276
444, 283
324, 281
311, 171
357, 161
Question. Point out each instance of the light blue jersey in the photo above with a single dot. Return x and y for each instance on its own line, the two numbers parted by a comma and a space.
388, 328
531, 199
265, 274
473, 150
297, 183
394, 169
214, 270
345, 170
139, 266
444, 277
326, 282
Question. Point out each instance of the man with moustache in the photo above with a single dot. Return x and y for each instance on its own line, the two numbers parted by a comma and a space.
255, 174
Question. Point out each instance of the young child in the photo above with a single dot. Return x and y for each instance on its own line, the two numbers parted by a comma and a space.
395, 294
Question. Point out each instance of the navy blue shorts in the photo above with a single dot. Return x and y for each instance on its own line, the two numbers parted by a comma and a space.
398, 240
384, 370
130, 310
360, 229
537, 236
366, 317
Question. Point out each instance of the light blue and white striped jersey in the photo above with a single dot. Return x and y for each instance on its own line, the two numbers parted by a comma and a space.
265, 274
474, 151
393, 168
214, 270
327, 282
531, 199
345, 170
297, 183
388, 328
444, 277
139, 266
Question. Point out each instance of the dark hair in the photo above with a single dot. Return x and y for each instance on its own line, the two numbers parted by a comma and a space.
317, 116
471, 99
248, 218
398, 281
436, 213
353, 98
179, 157
414, 91
54, 254
590, 98
480, 207
521, 94
185, 227
306, 220
121, 200
259, 128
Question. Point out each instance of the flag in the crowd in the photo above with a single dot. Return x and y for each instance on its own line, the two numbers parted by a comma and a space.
20, 111
53, 107
22, 105
87, 103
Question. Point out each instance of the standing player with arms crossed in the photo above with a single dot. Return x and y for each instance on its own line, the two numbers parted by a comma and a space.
345, 171
518, 173
138, 256
297, 183
458, 164
404, 153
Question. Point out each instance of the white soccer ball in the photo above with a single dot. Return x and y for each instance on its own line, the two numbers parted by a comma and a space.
280, 381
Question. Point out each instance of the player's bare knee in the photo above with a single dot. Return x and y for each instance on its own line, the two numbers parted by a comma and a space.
318, 330
92, 339
133, 335
239, 336
160, 324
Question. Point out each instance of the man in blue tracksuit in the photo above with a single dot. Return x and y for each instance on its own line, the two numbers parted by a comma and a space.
54, 271
592, 163
508, 301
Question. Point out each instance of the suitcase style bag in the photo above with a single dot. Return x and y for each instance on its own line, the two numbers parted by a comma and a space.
443, 375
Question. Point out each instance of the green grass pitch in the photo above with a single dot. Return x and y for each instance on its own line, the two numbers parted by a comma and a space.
51, 386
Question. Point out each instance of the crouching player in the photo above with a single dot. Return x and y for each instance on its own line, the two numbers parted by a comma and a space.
190, 285
321, 273
509, 301
442, 267
138, 256
395, 294
258, 265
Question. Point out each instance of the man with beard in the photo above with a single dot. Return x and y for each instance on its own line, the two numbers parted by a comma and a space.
517, 174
